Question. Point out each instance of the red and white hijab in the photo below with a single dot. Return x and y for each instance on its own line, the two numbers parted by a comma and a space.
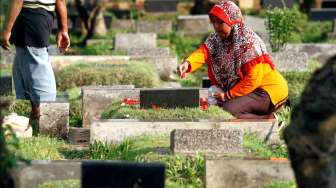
229, 59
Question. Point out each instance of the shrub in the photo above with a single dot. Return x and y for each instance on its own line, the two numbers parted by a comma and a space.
141, 75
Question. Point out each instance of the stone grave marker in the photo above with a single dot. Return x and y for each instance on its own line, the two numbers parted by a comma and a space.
6, 85
187, 24
114, 174
230, 172
124, 41
169, 98
96, 98
117, 130
285, 60
206, 82
278, 3
206, 141
123, 24
136, 53
161, 5
99, 41
54, 119
322, 14
79, 136
38, 172
158, 27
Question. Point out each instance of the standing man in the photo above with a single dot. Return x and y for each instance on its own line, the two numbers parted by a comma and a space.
28, 26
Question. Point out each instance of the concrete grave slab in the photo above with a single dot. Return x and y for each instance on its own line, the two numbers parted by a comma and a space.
161, 5
125, 41
135, 53
158, 26
187, 24
277, 3
123, 24
207, 141
232, 173
286, 60
96, 98
43, 171
166, 66
322, 14
169, 98
54, 119
79, 136
117, 131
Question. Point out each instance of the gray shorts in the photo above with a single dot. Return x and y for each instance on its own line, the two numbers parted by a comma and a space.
33, 76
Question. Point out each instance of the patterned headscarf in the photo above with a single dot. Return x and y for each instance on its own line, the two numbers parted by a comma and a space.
227, 57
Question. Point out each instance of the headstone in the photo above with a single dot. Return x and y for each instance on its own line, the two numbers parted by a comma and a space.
228, 173
99, 41
258, 26
122, 24
6, 85
290, 60
148, 52
278, 3
329, 4
206, 82
117, 131
139, 40
166, 66
97, 98
161, 5
169, 98
54, 119
39, 172
79, 136
114, 174
208, 141
310, 137
322, 14
158, 27
187, 25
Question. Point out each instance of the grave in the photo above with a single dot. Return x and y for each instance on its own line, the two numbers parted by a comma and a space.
187, 24
54, 119
6, 85
122, 24
79, 136
99, 42
206, 82
169, 97
117, 130
124, 41
230, 172
97, 98
158, 26
285, 60
322, 14
116, 174
208, 141
138, 53
161, 5
278, 3
39, 172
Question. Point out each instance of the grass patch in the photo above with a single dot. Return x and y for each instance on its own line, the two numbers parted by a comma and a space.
140, 74
117, 111
280, 184
258, 148
61, 184
75, 113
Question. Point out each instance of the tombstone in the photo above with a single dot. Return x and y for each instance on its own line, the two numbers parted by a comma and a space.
328, 4
158, 26
161, 5
310, 137
322, 14
100, 174
231, 172
38, 172
118, 24
54, 119
135, 53
206, 82
79, 136
166, 66
6, 85
194, 25
278, 3
125, 41
258, 26
106, 42
169, 98
290, 60
96, 98
207, 141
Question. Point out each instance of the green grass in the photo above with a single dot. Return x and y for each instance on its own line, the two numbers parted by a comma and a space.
280, 184
140, 74
61, 184
117, 111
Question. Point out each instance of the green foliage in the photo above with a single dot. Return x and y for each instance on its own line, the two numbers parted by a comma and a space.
281, 24
75, 101
117, 111
140, 74
21, 107
259, 148
61, 184
280, 184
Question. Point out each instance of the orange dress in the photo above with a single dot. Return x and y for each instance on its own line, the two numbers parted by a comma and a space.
258, 75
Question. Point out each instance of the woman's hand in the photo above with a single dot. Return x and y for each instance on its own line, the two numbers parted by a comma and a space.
220, 96
182, 69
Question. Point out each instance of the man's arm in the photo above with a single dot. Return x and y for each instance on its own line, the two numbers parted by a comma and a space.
62, 37
14, 10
